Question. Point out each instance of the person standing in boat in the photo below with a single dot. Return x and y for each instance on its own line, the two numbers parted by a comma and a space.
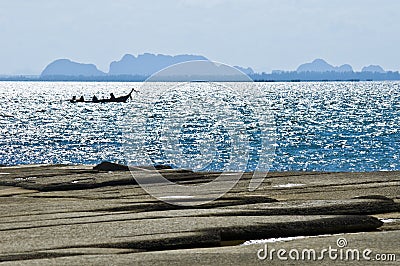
112, 97
95, 99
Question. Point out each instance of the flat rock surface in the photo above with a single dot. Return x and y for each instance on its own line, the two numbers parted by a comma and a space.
74, 215
377, 242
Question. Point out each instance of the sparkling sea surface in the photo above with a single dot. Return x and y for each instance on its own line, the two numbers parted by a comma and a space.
313, 126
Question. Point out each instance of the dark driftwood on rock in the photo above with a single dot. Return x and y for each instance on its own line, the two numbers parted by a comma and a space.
107, 166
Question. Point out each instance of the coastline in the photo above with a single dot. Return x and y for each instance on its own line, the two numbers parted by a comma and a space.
60, 214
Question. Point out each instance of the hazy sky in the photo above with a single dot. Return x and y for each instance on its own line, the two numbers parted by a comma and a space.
263, 34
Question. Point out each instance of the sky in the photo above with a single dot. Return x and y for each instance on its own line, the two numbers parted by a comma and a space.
263, 34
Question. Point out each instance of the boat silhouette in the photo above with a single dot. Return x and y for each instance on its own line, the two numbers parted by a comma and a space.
112, 99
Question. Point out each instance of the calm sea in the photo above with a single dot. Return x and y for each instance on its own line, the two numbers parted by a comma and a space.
314, 126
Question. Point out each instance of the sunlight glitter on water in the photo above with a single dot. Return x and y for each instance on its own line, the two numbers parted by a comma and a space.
321, 126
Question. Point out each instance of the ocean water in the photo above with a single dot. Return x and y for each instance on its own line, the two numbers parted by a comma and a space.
313, 126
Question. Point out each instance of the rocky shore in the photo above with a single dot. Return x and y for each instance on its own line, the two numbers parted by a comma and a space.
80, 215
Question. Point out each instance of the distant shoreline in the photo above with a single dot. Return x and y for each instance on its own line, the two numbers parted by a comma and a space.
118, 79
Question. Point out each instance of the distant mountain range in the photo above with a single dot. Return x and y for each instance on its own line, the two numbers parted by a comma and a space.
320, 70
320, 65
65, 67
141, 67
373, 69
148, 64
